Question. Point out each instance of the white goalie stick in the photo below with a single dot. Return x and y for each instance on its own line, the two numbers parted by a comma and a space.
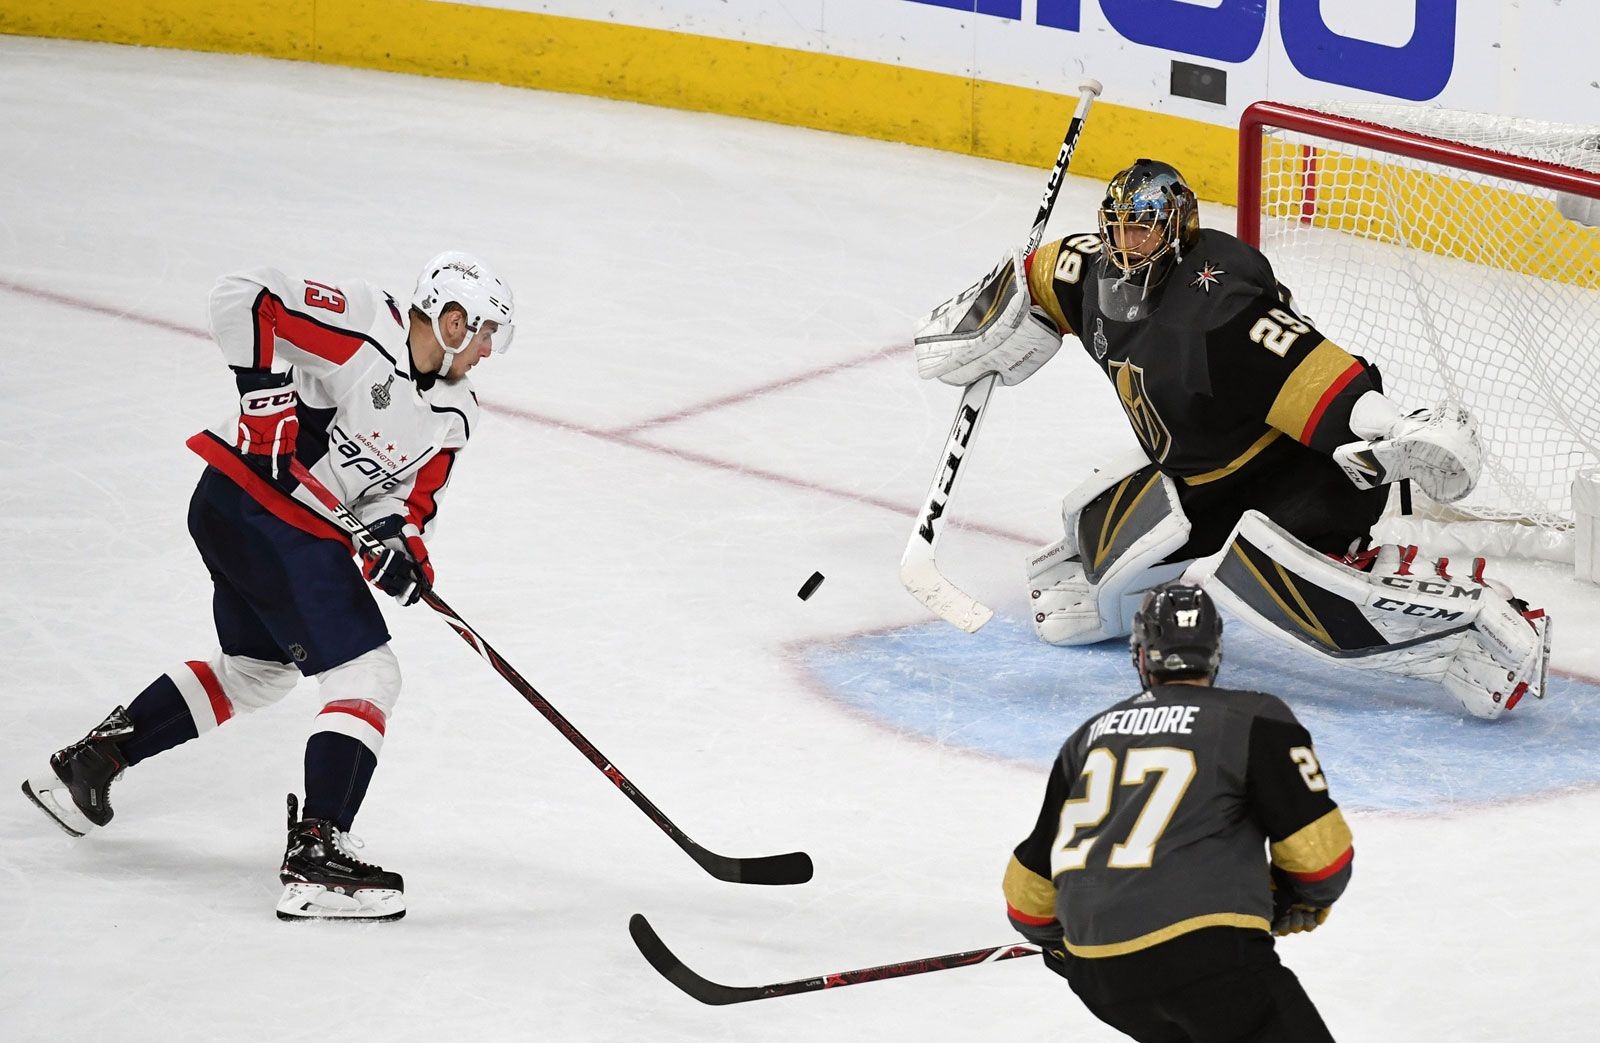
919, 570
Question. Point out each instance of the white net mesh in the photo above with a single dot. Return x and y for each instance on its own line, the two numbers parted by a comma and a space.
1461, 286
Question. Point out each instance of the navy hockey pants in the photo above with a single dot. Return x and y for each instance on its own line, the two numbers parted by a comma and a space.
280, 594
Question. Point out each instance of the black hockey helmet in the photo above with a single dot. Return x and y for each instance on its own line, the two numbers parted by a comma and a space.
1154, 194
1177, 634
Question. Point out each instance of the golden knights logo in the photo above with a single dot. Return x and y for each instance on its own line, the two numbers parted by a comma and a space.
1147, 423
380, 394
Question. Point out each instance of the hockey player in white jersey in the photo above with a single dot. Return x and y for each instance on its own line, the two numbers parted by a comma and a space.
370, 394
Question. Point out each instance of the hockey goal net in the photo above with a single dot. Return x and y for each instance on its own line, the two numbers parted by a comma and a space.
1459, 253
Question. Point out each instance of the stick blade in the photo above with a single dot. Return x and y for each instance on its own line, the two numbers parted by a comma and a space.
772, 870
947, 601
671, 968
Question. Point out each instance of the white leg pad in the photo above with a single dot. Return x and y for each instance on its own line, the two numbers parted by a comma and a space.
254, 684
1087, 586
203, 693
228, 685
1459, 631
359, 697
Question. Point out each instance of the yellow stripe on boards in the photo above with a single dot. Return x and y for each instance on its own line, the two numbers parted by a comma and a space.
1489, 224
279, 30
658, 67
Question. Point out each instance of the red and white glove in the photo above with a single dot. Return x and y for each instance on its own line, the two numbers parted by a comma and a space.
268, 421
403, 570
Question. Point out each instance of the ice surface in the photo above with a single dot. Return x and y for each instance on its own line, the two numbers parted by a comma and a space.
709, 399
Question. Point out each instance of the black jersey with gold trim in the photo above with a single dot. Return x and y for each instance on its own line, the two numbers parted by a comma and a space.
1156, 816
1220, 377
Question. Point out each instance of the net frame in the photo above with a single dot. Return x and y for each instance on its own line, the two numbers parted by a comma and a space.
1552, 160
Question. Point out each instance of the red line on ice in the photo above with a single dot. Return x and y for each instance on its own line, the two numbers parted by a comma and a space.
624, 436
751, 393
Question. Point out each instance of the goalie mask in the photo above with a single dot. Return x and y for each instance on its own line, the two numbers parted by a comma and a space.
1148, 218
458, 278
1177, 633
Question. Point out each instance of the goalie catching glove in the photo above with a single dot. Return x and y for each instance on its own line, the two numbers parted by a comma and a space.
1438, 448
990, 327
403, 570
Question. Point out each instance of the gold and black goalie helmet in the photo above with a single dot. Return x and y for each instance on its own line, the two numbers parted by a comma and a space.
1152, 194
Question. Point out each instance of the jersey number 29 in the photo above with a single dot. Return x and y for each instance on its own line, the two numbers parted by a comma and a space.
1176, 769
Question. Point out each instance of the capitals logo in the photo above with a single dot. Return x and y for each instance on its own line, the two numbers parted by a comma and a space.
1209, 275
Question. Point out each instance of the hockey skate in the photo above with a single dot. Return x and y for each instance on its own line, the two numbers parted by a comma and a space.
76, 792
323, 880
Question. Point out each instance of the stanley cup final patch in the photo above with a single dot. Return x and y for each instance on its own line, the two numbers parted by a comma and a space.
380, 394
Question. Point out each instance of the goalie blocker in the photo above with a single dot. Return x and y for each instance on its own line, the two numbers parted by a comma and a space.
1400, 615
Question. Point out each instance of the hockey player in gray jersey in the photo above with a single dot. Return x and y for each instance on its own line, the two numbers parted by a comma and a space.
1146, 878
1266, 452
367, 394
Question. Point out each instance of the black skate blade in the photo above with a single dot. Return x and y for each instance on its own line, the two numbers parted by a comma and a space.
27, 791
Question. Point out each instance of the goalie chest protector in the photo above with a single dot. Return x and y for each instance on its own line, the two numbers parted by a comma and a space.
1220, 378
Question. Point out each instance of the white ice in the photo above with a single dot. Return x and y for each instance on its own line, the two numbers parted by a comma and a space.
709, 398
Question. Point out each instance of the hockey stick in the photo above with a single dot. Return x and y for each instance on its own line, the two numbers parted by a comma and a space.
919, 572
672, 968
791, 868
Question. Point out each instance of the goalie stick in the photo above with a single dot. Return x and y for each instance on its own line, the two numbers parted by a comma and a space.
919, 571
792, 868
672, 969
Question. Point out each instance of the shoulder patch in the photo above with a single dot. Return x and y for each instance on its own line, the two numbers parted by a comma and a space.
1208, 276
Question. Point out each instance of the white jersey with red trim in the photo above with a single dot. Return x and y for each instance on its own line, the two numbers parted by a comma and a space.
381, 437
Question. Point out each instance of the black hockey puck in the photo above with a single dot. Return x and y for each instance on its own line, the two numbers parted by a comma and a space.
809, 587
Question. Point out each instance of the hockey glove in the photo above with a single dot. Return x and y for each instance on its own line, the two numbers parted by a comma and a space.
1056, 959
268, 421
990, 327
403, 570
1436, 448
1297, 918
1290, 914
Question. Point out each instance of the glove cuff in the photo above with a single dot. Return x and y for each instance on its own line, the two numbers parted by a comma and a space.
250, 380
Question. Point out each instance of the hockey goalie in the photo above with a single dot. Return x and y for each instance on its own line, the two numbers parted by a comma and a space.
1266, 454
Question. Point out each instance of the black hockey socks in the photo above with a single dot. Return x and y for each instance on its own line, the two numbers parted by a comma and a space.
338, 769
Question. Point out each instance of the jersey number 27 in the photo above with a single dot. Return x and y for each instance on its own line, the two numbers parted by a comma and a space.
1176, 769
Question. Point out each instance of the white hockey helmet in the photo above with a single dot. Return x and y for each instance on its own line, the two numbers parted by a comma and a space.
455, 277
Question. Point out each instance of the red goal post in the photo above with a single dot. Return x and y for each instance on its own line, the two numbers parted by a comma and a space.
1458, 252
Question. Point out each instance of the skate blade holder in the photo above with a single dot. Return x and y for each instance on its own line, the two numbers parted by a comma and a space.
302, 901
